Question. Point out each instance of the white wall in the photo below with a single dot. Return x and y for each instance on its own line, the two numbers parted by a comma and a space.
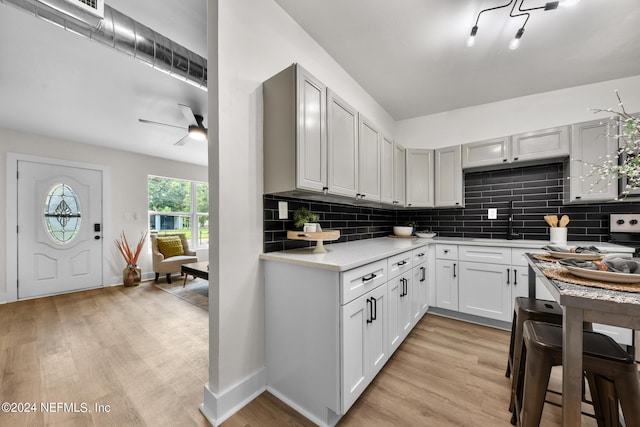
257, 39
128, 173
517, 115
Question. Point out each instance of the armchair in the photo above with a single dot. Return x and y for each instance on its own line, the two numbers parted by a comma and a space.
169, 252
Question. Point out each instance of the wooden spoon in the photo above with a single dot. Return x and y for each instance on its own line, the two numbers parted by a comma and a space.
552, 220
564, 221
548, 220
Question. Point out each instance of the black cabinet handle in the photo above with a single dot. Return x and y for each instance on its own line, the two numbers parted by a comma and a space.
368, 278
508, 274
420, 255
369, 310
515, 159
454, 269
515, 277
424, 274
403, 289
401, 263
375, 308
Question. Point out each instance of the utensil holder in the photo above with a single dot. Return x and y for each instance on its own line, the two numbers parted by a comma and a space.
558, 235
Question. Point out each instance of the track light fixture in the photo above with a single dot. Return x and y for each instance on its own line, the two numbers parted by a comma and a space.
516, 11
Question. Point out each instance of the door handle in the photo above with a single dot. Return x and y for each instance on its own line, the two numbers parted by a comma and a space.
508, 274
374, 302
454, 269
424, 274
370, 309
515, 277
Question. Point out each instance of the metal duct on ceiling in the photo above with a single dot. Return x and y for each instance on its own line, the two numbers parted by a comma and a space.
128, 36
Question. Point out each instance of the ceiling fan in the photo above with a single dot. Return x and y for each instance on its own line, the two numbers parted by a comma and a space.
195, 130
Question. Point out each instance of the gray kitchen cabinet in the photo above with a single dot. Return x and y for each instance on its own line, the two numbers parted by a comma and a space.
446, 276
368, 160
449, 182
342, 146
295, 132
399, 189
491, 152
399, 309
541, 144
590, 144
420, 284
386, 170
420, 178
364, 342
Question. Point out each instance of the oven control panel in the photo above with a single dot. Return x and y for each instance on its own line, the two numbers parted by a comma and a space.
624, 223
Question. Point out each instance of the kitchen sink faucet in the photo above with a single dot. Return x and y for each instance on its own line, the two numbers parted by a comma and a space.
511, 232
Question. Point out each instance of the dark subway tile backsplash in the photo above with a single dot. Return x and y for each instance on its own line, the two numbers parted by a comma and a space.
536, 191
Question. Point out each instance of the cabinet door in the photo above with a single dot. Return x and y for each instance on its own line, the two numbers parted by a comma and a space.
342, 139
420, 296
541, 144
386, 170
368, 161
377, 331
398, 175
447, 284
591, 145
311, 141
485, 290
394, 289
354, 349
419, 182
486, 153
449, 183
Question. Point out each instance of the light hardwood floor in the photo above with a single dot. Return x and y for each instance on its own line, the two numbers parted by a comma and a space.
144, 353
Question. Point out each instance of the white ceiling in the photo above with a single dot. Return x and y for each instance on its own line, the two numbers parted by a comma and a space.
410, 55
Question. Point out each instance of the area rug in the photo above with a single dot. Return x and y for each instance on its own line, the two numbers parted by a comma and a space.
196, 292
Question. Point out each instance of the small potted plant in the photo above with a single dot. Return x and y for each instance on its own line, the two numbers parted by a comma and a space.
306, 220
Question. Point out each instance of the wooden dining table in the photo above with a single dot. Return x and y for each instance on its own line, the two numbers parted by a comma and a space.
581, 304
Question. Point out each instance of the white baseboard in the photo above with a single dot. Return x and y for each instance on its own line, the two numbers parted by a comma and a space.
217, 407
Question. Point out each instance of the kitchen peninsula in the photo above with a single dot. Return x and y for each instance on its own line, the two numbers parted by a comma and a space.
334, 319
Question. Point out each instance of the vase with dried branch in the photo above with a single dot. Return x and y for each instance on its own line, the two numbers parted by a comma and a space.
131, 274
625, 163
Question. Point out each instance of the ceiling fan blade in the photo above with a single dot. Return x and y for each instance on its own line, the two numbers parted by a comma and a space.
163, 124
187, 112
182, 141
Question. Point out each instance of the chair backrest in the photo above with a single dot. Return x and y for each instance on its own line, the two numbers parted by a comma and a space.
168, 246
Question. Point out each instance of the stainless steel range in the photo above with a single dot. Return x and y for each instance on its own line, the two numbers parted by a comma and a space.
624, 229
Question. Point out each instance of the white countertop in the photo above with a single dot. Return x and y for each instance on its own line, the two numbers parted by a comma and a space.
348, 255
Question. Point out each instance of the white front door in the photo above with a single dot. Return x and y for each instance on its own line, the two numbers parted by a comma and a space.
59, 229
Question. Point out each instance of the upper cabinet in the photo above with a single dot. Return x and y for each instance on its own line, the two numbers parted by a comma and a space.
420, 174
386, 170
590, 144
368, 160
399, 189
295, 132
449, 185
541, 144
526, 147
342, 142
486, 153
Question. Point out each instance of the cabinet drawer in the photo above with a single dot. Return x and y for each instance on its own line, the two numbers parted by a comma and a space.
518, 258
419, 255
485, 254
398, 264
360, 280
446, 251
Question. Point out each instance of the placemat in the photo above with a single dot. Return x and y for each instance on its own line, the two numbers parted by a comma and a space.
544, 257
564, 276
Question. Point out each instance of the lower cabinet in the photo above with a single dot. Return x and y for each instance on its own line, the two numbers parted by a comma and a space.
329, 333
364, 342
400, 318
447, 284
488, 290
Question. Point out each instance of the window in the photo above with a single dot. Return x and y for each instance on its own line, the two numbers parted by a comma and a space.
179, 206
62, 213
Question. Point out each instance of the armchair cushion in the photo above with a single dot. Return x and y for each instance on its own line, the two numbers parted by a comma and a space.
170, 246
